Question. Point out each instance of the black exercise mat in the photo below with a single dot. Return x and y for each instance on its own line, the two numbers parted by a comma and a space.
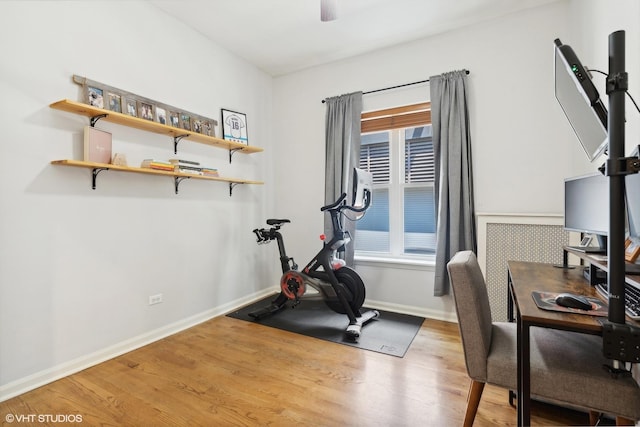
391, 333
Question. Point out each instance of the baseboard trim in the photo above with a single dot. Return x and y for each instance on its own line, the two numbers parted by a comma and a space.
38, 379
412, 310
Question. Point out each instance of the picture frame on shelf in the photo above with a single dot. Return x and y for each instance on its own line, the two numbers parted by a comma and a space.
631, 250
196, 125
234, 127
130, 106
161, 115
207, 128
185, 121
146, 110
174, 119
97, 145
114, 102
94, 96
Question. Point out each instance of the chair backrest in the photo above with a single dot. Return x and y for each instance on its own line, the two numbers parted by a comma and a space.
474, 313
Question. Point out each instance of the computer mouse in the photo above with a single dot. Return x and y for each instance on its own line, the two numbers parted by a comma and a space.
573, 301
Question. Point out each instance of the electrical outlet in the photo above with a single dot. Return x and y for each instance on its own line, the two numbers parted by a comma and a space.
155, 299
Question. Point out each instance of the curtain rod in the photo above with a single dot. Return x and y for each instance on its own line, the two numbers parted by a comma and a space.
395, 87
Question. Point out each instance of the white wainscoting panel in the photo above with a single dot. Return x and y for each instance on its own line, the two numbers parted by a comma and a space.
505, 237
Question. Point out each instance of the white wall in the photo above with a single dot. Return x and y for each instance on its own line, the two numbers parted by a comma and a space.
77, 266
523, 147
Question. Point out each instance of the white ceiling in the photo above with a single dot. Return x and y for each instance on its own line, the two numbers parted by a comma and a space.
283, 36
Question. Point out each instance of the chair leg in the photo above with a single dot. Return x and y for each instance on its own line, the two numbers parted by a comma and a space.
594, 417
475, 393
622, 421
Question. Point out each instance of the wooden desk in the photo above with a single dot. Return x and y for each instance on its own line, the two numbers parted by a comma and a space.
525, 277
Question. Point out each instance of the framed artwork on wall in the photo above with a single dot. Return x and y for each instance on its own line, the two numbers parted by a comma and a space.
234, 127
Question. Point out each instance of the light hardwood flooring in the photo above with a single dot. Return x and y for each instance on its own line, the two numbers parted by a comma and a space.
228, 372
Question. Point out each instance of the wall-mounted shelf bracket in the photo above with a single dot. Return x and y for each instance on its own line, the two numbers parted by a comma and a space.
231, 187
178, 180
95, 119
177, 139
94, 175
232, 151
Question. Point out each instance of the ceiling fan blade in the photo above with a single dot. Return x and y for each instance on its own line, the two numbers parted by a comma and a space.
328, 10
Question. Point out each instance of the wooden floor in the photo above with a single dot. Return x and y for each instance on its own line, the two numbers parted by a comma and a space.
231, 372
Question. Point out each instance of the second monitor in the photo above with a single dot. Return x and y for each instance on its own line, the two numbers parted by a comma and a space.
586, 209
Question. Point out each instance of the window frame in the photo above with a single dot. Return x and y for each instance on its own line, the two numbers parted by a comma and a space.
395, 121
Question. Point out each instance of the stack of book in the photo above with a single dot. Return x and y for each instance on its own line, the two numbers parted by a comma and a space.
180, 166
186, 166
210, 172
157, 164
193, 167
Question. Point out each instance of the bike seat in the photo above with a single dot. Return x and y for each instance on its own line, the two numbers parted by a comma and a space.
277, 221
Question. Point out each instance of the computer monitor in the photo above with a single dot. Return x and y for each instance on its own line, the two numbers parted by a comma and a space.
580, 101
586, 209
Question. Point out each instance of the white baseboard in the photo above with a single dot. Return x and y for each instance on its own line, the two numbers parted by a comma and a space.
38, 379
412, 310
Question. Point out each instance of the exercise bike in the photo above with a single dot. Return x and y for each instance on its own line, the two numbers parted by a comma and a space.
339, 286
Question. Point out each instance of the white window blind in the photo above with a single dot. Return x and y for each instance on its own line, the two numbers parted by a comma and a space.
375, 158
419, 163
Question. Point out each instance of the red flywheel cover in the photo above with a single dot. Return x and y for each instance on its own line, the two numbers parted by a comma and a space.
292, 284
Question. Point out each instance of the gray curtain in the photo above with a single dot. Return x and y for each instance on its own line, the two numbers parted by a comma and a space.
456, 230
342, 133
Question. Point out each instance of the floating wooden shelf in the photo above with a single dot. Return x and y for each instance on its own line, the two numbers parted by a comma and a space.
178, 177
149, 126
96, 114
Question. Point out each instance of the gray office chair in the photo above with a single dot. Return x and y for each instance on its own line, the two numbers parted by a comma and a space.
566, 367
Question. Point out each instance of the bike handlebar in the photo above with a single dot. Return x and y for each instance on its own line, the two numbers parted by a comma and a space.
333, 205
338, 202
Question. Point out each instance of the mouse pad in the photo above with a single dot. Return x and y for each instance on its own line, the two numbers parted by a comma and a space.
547, 301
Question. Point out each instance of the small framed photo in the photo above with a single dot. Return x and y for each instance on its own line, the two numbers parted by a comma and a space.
114, 101
185, 121
174, 119
234, 127
196, 125
631, 250
161, 115
131, 107
145, 110
95, 96
207, 128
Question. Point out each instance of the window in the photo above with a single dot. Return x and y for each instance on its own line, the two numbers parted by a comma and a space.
399, 154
